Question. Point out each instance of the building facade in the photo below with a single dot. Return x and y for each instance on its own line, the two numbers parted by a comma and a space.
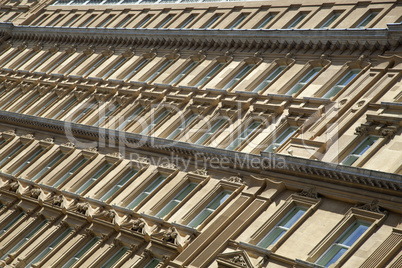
139, 133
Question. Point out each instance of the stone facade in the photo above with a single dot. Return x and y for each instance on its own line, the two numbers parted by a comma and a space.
193, 134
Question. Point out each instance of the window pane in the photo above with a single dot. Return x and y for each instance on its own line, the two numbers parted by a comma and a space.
115, 258
146, 192
211, 131
176, 200
119, 185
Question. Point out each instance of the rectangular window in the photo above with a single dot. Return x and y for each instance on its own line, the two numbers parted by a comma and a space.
144, 22
108, 113
28, 102
153, 124
25, 239
243, 72
49, 248
70, 172
331, 19
129, 119
238, 21
12, 222
269, 79
123, 22
144, 194
12, 56
115, 67
182, 126
266, 21
28, 161
213, 20
281, 139
211, 131
282, 227
45, 105
48, 166
176, 200
86, 111
152, 264
106, 21
55, 20
81, 252
71, 20
12, 153
210, 208
342, 83
184, 72
27, 58
297, 21
119, 185
244, 135
367, 19
11, 100
94, 178
58, 62
343, 243
307, 78
210, 74
95, 65
47, 56
188, 21
87, 21
65, 108
160, 69
359, 150
166, 21
138, 67
74, 65
117, 256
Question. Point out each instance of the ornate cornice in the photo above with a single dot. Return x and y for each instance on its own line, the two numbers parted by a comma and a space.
333, 39
264, 162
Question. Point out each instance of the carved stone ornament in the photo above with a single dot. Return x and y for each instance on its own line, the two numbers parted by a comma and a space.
57, 200
147, 253
170, 235
28, 136
361, 130
239, 260
68, 144
138, 225
25, 87
115, 154
234, 179
200, 171
79, 95
373, 206
92, 149
35, 192
61, 92
49, 140
100, 97
122, 100
82, 208
13, 186
143, 159
107, 215
388, 132
168, 165
43, 89
10, 132
311, 193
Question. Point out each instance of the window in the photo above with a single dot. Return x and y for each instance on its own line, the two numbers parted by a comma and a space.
243, 72
266, 21
210, 208
28, 161
157, 120
12, 153
212, 130
27, 102
176, 200
359, 150
282, 227
70, 172
139, 66
55, 20
210, 74
270, 78
343, 243
238, 21
152, 264
105, 167
85, 111
367, 19
65, 107
182, 126
49, 248
58, 62
11, 100
307, 78
45, 105
12, 222
71, 20
297, 21
81, 252
159, 70
110, 262
48, 166
106, 21
111, 110
15, 53
123, 22
212, 21
185, 71
129, 119
331, 19
87, 21
76, 63
244, 135
165, 21
188, 21
144, 194
27, 58
115, 67
342, 83
47, 56
25, 238
281, 139
119, 185
144, 21
95, 65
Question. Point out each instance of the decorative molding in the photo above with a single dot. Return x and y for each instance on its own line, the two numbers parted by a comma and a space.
200, 171
373, 206
311, 193
234, 179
